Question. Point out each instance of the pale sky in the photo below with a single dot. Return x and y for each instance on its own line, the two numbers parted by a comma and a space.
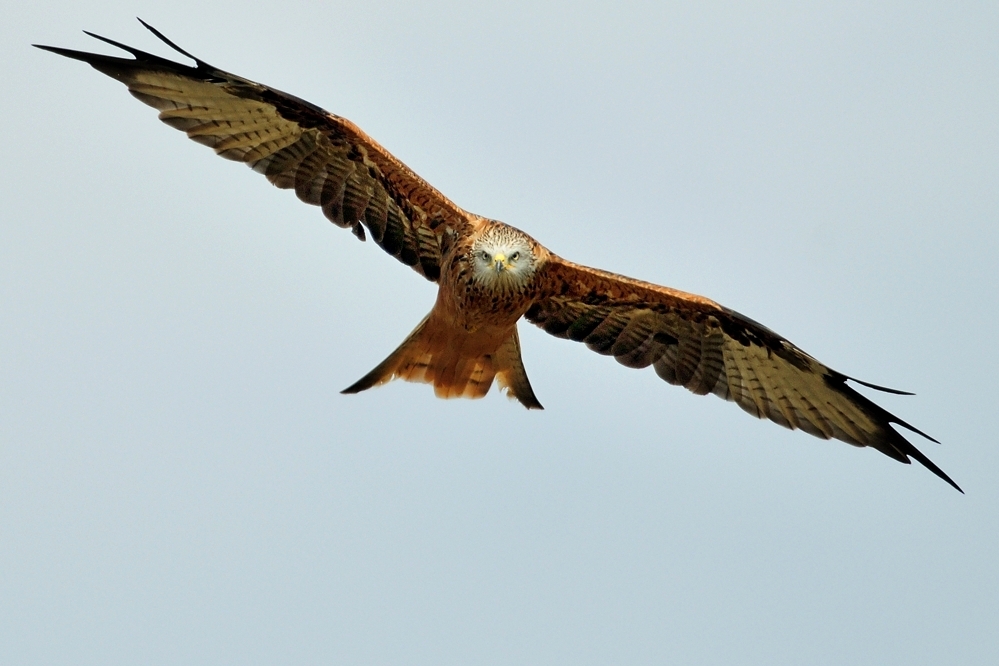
181, 481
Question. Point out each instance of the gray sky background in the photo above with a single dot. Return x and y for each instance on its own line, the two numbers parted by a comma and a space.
181, 482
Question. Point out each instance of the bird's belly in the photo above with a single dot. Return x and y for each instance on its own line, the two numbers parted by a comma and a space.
486, 313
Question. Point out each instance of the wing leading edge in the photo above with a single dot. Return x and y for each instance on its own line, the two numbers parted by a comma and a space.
693, 342
326, 159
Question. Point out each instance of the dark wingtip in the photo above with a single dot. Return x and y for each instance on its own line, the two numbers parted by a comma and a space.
895, 419
901, 449
102, 63
928, 464
168, 42
117, 67
884, 389
124, 47
55, 49
891, 442
69, 53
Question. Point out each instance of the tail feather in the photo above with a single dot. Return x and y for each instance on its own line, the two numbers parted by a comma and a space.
512, 376
455, 365
472, 377
387, 369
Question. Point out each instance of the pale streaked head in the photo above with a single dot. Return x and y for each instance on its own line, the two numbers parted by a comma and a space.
503, 258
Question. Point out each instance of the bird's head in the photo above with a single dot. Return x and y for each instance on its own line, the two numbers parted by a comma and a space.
503, 258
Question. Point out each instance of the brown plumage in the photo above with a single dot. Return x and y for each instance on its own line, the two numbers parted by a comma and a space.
490, 274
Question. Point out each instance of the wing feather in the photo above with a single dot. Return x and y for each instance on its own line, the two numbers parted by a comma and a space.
329, 162
326, 159
693, 342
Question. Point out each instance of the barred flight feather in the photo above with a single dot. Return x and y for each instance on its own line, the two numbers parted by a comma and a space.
462, 345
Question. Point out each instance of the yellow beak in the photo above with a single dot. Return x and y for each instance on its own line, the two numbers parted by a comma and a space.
499, 262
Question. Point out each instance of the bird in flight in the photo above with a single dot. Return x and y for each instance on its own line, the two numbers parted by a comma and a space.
490, 274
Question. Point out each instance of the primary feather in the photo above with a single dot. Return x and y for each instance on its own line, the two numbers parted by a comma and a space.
490, 275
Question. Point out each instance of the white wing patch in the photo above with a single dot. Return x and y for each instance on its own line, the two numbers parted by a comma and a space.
236, 128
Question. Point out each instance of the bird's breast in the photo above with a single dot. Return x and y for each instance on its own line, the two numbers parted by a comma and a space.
474, 305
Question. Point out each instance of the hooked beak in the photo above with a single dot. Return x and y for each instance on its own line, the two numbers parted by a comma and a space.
499, 263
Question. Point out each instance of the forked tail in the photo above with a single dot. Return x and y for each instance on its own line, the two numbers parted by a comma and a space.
458, 365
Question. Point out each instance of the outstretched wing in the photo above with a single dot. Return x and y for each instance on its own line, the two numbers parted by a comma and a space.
693, 342
327, 159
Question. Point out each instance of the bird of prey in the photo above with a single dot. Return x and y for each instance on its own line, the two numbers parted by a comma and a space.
490, 274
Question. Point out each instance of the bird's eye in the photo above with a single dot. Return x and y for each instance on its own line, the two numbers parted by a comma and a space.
484, 255
515, 256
